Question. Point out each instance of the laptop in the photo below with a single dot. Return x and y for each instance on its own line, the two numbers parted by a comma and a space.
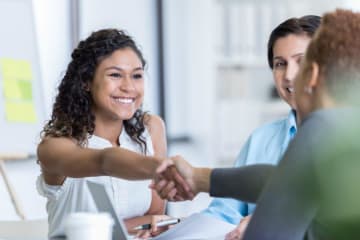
104, 204
191, 228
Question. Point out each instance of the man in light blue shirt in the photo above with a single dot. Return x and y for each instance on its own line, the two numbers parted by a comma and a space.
267, 144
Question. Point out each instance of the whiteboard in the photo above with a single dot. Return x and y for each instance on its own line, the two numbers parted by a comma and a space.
19, 130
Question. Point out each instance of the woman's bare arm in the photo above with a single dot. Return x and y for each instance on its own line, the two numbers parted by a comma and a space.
62, 157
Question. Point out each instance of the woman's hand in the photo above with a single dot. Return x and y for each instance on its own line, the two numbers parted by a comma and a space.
238, 232
154, 231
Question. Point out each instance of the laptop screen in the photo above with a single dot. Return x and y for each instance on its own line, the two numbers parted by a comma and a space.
104, 204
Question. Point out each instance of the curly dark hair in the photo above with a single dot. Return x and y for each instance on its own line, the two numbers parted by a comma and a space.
71, 115
306, 25
336, 48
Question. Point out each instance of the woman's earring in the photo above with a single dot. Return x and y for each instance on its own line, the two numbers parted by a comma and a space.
86, 87
308, 90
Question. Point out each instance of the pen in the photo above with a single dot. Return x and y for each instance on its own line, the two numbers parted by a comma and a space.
158, 224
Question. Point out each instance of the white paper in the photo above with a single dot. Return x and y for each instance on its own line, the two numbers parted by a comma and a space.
197, 227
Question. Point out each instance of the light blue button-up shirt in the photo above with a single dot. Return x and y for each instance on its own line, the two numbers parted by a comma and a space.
266, 144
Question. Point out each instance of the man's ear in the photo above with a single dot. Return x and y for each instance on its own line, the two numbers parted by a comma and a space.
314, 76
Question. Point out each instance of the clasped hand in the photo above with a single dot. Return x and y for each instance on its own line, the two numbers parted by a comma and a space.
175, 180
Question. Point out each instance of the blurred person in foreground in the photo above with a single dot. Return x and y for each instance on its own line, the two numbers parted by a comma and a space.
313, 192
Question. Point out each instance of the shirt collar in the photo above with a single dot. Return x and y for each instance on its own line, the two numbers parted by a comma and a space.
291, 123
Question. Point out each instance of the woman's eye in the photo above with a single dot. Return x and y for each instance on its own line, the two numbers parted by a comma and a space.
115, 75
138, 76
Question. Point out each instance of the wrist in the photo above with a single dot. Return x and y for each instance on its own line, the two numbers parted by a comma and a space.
155, 163
202, 179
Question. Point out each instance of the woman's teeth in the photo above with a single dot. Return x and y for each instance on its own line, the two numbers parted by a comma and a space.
124, 100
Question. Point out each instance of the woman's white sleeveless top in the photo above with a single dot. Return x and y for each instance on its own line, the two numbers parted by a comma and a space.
130, 198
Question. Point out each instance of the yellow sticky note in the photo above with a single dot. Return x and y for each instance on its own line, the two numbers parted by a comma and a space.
16, 69
20, 112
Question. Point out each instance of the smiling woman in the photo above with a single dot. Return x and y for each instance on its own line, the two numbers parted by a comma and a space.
99, 132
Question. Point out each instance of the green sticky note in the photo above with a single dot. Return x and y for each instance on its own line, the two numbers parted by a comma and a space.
20, 112
17, 90
26, 90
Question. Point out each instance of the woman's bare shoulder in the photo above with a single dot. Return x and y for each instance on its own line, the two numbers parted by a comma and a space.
156, 127
154, 123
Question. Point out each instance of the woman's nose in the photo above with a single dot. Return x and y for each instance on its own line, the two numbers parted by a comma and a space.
127, 84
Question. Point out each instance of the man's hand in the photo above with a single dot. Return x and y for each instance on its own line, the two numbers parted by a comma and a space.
176, 182
238, 232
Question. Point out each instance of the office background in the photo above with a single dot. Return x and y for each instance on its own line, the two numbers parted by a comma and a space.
207, 73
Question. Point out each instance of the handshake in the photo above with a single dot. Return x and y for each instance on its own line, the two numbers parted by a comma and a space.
176, 180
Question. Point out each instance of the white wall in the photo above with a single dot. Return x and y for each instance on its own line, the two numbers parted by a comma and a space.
190, 70
52, 19
176, 51
353, 4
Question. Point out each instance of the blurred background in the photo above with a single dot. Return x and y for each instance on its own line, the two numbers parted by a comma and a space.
207, 74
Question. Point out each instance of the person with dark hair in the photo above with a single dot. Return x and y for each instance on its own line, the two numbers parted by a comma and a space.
313, 193
267, 144
99, 132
